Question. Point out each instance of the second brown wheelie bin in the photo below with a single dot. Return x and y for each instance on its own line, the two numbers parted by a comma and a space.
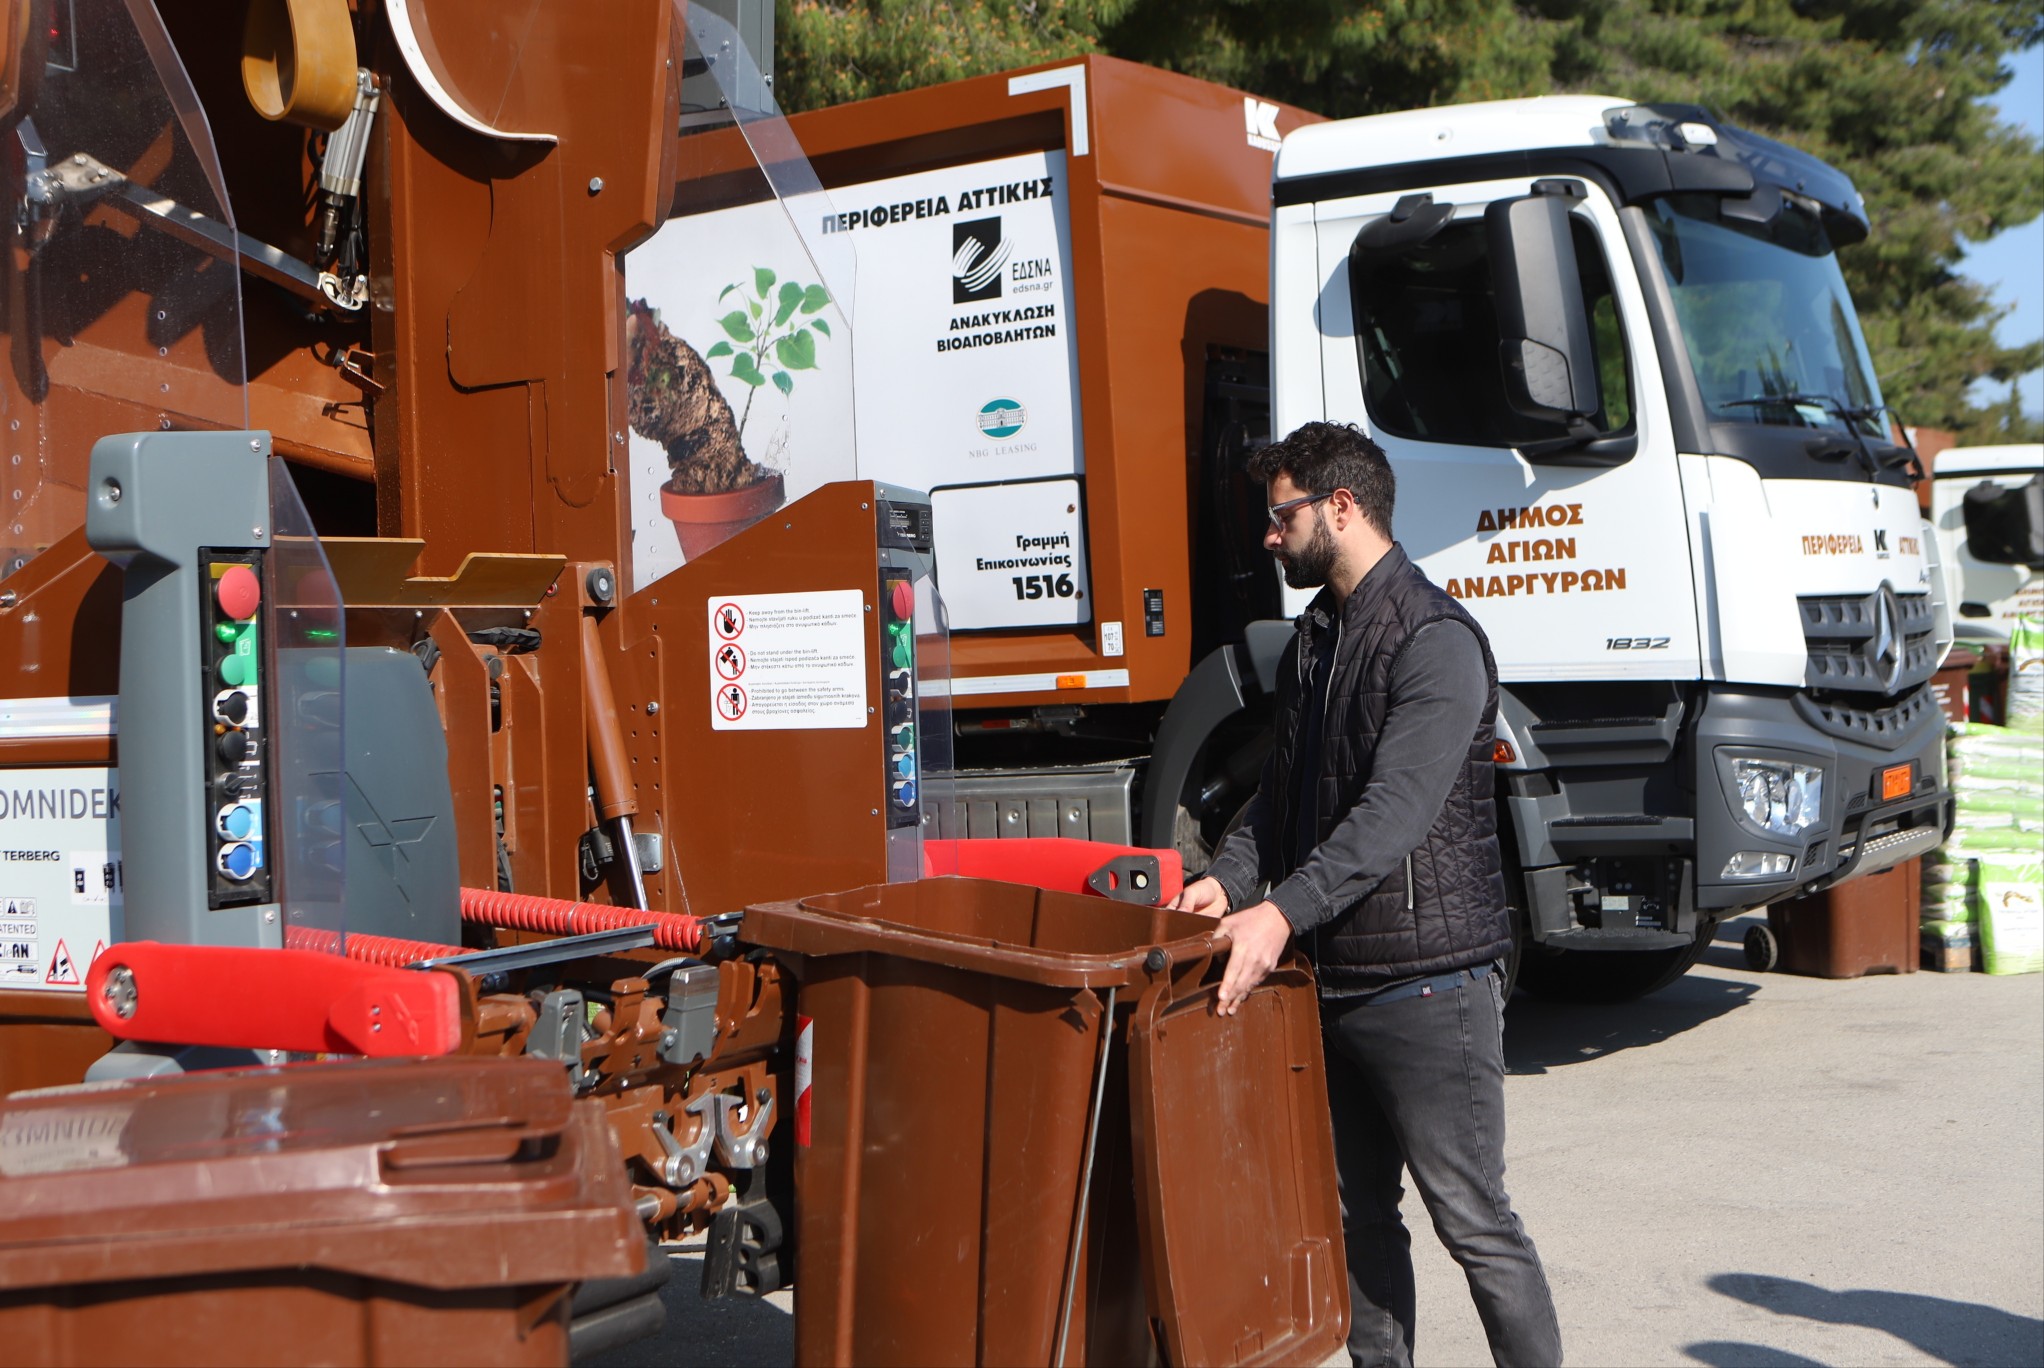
365, 1212
1024, 1137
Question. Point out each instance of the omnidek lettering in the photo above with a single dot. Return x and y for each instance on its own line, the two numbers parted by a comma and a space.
58, 804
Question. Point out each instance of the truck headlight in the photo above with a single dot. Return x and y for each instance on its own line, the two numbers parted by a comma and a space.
1779, 796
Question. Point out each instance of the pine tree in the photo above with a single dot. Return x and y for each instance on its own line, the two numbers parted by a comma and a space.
1890, 91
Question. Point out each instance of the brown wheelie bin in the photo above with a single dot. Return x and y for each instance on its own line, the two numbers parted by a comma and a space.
388, 1212
1865, 926
1024, 1137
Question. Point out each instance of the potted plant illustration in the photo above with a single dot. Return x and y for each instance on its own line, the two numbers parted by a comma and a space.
713, 488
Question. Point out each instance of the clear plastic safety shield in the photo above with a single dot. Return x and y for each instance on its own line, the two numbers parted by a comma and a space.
307, 747
120, 310
739, 344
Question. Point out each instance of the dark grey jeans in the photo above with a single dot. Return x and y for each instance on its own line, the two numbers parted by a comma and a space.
1418, 1084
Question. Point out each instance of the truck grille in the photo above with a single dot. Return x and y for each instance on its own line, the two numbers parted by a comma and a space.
1886, 726
1883, 642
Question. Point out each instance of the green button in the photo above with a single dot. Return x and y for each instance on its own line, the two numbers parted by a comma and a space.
237, 669
904, 652
227, 631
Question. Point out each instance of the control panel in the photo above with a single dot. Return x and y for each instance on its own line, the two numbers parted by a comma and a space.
898, 665
912, 721
234, 724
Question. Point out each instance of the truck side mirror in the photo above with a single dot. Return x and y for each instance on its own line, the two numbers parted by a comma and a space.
1544, 339
2004, 525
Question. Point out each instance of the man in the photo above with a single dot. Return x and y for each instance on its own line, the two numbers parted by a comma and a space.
1376, 828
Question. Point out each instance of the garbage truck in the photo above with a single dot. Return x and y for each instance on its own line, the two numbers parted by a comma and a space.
1609, 352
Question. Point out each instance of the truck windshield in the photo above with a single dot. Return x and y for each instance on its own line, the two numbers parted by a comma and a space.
1770, 328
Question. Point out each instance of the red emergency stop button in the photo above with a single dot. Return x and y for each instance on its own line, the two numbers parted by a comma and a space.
902, 598
240, 593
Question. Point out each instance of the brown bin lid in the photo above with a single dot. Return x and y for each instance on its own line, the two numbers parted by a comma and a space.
1234, 1151
440, 1173
1005, 930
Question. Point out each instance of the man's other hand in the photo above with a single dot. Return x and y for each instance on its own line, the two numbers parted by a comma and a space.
1204, 896
1257, 935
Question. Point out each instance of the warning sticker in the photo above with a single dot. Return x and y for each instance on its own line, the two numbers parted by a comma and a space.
63, 973
788, 662
60, 874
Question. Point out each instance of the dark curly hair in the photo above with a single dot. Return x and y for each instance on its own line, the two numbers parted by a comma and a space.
1324, 457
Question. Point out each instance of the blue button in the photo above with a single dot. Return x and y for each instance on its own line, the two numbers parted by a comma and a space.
238, 822
905, 793
238, 861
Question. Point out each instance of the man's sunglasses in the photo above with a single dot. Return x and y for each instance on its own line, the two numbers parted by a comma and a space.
1280, 513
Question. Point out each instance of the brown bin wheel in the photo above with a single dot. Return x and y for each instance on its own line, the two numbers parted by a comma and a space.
1763, 951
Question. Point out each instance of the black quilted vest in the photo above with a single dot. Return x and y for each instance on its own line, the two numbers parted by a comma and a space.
1443, 907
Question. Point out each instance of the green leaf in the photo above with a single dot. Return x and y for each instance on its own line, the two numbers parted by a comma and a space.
797, 351
814, 298
762, 280
743, 367
752, 307
735, 326
784, 382
726, 290
791, 299
821, 325
721, 349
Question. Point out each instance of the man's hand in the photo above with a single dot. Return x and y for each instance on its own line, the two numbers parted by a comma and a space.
1204, 896
1257, 935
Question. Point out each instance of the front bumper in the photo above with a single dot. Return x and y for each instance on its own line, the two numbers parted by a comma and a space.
1858, 832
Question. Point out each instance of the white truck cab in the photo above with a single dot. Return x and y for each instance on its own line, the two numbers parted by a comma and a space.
1637, 433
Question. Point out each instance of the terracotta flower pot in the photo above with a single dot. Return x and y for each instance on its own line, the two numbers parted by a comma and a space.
703, 520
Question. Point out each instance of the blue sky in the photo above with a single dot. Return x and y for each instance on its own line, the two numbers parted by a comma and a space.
2013, 262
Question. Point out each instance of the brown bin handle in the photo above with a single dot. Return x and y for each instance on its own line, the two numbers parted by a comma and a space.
1167, 970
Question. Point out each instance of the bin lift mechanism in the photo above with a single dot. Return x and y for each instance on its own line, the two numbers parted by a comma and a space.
204, 907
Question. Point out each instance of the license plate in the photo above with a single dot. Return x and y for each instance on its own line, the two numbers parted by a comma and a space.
1897, 781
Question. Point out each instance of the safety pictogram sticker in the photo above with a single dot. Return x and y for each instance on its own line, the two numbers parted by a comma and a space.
731, 702
730, 621
62, 970
730, 660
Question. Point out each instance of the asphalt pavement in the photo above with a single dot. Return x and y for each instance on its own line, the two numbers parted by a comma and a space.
1743, 1169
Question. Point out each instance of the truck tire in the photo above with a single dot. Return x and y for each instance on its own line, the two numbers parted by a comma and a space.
1609, 976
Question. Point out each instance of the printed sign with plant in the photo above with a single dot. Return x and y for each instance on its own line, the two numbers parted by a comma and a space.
777, 324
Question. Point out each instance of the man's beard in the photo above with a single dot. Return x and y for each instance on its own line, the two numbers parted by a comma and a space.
1311, 565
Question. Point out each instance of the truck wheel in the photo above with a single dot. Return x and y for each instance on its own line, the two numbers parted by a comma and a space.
1763, 951
1608, 976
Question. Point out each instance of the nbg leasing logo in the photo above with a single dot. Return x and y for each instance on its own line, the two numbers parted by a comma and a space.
1001, 418
978, 252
